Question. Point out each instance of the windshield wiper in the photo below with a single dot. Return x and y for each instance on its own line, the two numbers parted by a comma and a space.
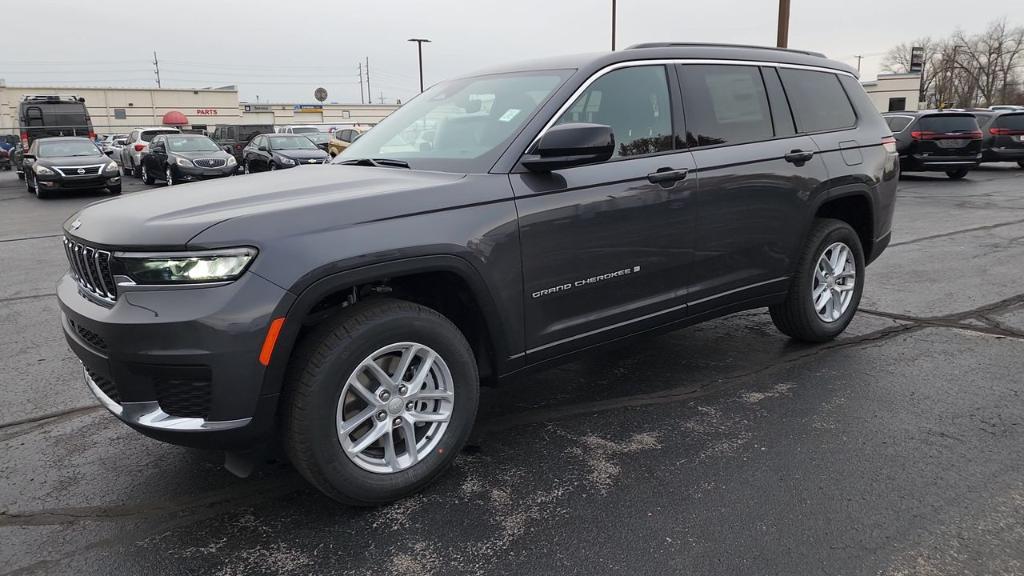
376, 162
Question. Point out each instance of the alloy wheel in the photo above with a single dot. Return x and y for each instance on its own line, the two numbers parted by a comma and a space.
835, 277
169, 177
395, 407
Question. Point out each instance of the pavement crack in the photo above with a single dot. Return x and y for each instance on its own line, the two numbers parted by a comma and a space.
956, 232
53, 416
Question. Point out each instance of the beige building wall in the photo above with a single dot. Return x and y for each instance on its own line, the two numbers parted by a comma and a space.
888, 88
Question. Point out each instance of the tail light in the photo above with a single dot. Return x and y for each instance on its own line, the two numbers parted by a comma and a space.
1005, 132
139, 147
92, 135
889, 143
24, 140
922, 135
926, 135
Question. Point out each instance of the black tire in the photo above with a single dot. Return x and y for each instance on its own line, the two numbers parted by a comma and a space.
327, 356
245, 168
957, 174
1021, 163
796, 316
147, 178
21, 175
273, 167
115, 190
40, 193
169, 175
28, 186
129, 169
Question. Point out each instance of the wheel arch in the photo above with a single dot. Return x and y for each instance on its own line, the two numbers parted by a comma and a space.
852, 204
446, 283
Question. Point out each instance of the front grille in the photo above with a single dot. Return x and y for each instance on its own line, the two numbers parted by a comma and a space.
91, 268
209, 162
74, 170
184, 397
94, 339
105, 384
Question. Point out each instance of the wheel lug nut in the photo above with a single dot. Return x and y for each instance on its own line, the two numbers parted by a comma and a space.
398, 421
402, 389
382, 415
409, 406
384, 395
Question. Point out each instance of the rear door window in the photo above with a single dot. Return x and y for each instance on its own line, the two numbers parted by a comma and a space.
818, 100
725, 104
148, 136
898, 123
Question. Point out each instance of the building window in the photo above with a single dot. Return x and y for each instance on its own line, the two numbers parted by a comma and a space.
345, 114
897, 104
119, 114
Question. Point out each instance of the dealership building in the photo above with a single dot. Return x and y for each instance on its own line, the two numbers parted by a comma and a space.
117, 110
894, 92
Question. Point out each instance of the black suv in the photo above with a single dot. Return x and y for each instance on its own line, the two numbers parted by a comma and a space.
936, 141
1002, 135
234, 138
352, 311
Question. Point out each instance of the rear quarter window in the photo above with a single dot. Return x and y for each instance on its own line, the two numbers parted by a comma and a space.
898, 123
818, 100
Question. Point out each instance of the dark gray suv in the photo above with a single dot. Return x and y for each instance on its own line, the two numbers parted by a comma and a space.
498, 222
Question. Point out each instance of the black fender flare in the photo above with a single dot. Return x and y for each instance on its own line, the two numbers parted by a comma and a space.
308, 293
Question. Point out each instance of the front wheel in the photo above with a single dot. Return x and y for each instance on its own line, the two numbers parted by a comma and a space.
1021, 163
825, 293
273, 166
114, 190
379, 401
147, 178
956, 174
169, 176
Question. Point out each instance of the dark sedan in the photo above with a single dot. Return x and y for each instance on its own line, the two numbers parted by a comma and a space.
321, 139
278, 151
68, 163
176, 158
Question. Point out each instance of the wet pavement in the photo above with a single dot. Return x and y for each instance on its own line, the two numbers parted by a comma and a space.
722, 448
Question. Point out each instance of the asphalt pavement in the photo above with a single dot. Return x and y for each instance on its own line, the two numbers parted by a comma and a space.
722, 448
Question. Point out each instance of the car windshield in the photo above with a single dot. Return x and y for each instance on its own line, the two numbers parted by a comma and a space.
191, 144
461, 125
305, 130
948, 123
291, 143
150, 134
319, 137
68, 148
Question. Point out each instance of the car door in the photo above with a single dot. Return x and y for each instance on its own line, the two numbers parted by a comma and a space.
252, 159
756, 177
157, 157
606, 249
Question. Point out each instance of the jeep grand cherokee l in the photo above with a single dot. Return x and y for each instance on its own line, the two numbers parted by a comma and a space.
351, 312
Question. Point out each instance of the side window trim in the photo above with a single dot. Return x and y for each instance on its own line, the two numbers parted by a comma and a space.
778, 102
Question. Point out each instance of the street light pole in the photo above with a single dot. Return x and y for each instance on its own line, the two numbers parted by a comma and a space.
419, 46
613, 25
783, 37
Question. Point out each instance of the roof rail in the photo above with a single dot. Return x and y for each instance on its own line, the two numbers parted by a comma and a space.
52, 98
704, 44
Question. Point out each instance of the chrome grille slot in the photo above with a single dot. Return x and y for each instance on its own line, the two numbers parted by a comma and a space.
209, 162
91, 268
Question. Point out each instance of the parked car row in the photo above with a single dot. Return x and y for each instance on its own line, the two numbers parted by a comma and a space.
956, 141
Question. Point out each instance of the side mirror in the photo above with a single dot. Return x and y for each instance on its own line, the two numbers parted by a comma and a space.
568, 145
227, 149
109, 152
262, 149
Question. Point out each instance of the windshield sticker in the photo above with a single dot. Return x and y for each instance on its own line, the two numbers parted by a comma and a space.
509, 115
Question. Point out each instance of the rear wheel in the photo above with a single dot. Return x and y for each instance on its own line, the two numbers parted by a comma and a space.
169, 176
956, 174
1021, 163
379, 401
825, 293
147, 178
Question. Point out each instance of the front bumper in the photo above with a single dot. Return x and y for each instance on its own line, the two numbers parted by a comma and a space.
179, 365
78, 182
195, 173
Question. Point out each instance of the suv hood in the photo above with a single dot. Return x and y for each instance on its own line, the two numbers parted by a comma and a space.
168, 219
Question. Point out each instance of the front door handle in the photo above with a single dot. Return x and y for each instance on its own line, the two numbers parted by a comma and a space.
667, 175
799, 157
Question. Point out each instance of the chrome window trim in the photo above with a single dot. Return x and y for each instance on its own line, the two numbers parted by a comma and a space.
60, 170
664, 62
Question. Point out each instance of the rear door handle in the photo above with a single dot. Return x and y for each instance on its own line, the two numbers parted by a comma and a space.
667, 175
798, 157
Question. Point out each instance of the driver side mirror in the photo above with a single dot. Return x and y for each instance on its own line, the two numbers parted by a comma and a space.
262, 149
227, 149
568, 145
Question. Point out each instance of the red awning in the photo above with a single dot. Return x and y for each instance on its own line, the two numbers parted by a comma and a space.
175, 118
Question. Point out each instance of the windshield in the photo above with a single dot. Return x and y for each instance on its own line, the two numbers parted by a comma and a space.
68, 148
462, 125
319, 137
291, 143
305, 130
148, 135
948, 123
193, 144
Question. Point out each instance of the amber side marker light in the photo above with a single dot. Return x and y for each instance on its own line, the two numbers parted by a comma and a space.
268, 343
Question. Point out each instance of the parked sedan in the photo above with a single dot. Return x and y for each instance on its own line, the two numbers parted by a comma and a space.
277, 151
176, 158
68, 163
342, 137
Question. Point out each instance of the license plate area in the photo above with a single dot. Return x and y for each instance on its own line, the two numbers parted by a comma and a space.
952, 143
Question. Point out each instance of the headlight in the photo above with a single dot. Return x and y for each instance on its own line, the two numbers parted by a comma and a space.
186, 267
110, 168
286, 161
231, 161
184, 162
42, 170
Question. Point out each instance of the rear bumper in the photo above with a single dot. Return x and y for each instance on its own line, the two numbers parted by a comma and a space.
180, 366
930, 163
1004, 155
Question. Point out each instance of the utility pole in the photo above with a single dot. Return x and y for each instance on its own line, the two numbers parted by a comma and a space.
362, 97
381, 96
419, 46
156, 67
369, 94
859, 58
783, 37
613, 25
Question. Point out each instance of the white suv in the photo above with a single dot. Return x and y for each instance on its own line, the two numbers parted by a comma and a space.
137, 145
298, 129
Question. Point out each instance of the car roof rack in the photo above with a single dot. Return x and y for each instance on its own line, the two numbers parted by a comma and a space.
52, 98
707, 45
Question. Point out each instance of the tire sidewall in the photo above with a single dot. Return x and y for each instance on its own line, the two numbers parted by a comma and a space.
321, 427
840, 232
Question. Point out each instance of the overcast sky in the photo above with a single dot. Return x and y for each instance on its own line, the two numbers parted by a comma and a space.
281, 50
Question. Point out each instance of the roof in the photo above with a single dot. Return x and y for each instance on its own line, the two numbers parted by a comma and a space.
673, 50
55, 138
